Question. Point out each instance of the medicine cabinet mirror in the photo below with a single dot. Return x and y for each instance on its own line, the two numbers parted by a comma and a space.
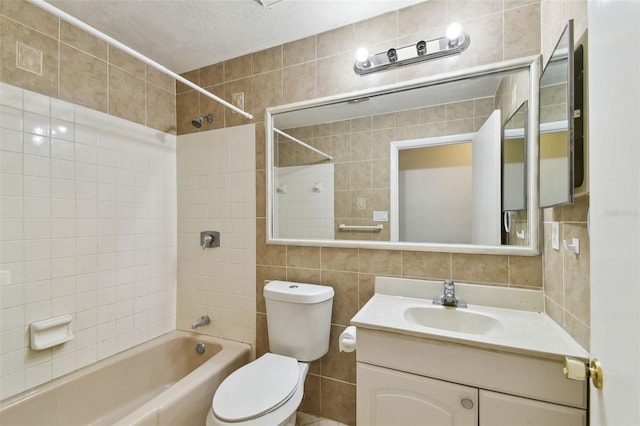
412, 166
559, 151
514, 178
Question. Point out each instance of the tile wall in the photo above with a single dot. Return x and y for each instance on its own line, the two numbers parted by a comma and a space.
567, 278
88, 228
321, 66
216, 192
76, 190
79, 68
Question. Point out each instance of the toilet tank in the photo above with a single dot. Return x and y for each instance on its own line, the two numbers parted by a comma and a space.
298, 319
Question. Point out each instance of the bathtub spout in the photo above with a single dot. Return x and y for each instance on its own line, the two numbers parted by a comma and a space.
203, 320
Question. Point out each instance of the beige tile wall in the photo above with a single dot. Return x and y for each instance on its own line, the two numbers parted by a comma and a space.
79, 68
320, 66
567, 279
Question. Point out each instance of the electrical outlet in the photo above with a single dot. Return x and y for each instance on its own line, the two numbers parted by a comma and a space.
555, 235
361, 203
380, 216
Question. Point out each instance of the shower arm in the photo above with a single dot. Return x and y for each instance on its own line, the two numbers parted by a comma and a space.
80, 24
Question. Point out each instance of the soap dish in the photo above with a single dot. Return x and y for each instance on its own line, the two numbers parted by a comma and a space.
50, 332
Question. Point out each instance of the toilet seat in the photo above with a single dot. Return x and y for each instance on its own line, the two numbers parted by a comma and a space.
257, 388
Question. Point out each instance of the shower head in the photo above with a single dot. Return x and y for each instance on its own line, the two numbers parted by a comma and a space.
197, 123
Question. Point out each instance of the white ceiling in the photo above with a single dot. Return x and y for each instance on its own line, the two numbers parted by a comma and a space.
184, 35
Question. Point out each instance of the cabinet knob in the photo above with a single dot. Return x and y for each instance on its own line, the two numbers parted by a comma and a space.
466, 403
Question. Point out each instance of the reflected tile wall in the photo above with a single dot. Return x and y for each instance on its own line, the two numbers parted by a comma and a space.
80, 68
360, 148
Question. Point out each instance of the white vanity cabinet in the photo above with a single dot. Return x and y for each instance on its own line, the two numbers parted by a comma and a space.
407, 380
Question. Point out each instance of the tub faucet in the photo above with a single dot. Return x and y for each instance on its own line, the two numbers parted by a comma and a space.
448, 298
203, 320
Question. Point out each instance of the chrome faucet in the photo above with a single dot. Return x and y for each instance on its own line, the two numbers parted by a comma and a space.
203, 320
448, 298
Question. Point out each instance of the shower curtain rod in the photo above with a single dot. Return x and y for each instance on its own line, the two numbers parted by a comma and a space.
78, 23
298, 141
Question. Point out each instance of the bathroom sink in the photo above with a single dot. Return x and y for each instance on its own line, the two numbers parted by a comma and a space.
458, 320
500, 318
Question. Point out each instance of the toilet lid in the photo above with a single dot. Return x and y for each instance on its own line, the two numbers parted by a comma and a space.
257, 388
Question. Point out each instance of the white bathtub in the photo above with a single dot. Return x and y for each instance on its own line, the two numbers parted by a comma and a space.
160, 382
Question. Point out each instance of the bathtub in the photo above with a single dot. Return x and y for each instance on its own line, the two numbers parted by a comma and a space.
160, 382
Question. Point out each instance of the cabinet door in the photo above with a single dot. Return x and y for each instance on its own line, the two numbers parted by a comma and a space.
497, 409
388, 397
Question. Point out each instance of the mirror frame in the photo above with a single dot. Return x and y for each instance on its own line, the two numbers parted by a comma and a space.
533, 211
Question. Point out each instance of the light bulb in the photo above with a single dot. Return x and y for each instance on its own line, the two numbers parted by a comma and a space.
453, 32
362, 54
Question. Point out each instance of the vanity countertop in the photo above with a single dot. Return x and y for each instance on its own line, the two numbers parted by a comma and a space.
521, 325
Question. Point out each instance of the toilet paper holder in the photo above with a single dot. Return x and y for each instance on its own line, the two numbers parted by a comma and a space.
347, 340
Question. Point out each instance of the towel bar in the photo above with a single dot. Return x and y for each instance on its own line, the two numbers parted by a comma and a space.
374, 228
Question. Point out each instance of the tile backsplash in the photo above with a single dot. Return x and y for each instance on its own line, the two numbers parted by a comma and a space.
88, 228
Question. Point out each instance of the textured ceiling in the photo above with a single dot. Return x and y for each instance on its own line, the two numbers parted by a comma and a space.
184, 35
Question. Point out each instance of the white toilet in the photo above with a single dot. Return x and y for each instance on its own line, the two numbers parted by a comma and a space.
269, 390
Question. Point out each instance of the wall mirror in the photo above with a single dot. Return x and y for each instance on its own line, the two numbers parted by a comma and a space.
557, 148
411, 166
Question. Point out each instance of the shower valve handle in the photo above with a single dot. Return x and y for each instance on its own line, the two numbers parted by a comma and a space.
206, 241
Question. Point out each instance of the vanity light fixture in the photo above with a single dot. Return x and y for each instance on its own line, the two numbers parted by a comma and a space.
453, 43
